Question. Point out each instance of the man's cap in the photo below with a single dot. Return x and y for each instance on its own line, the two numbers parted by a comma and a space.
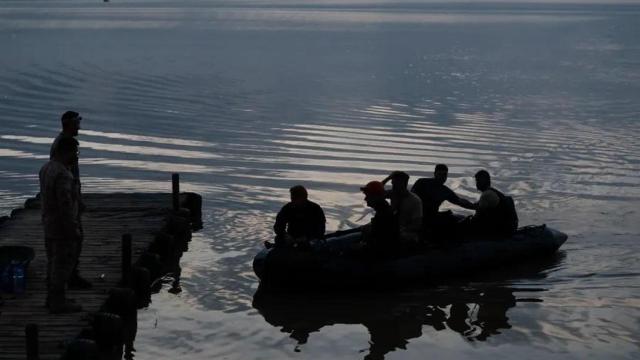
70, 116
373, 188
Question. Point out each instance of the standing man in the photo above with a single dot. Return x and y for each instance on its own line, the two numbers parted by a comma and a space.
61, 226
70, 127
299, 221
433, 192
407, 206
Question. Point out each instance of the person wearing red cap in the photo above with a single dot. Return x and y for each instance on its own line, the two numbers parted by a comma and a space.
382, 233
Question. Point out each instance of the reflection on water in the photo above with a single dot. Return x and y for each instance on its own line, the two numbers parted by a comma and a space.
125, 149
475, 311
151, 139
392, 320
334, 94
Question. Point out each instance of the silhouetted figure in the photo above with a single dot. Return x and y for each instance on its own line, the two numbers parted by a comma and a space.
492, 312
70, 127
433, 192
495, 213
392, 330
435, 316
407, 206
458, 319
299, 221
391, 320
61, 226
381, 233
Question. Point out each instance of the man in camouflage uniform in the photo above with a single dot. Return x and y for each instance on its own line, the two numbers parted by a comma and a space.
61, 226
70, 127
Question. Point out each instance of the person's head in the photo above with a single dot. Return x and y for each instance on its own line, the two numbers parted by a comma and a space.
440, 173
373, 193
67, 151
399, 181
71, 122
298, 194
483, 180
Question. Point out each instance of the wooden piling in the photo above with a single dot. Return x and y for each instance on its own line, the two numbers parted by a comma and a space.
126, 259
31, 343
175, 186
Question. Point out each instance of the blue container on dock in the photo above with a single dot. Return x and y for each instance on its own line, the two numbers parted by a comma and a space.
19, 280
14, 261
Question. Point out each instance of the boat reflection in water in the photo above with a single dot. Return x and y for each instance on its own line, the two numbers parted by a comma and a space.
475, 310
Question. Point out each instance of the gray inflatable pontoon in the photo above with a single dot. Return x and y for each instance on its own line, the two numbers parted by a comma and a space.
333, 263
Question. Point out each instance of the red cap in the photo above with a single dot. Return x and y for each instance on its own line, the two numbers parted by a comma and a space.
373, 188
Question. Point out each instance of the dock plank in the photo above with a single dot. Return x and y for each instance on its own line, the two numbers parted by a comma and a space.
107, 217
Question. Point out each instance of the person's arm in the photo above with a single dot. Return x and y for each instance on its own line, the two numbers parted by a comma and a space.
386, 180
322, 223
464, 203
66, 207
453, 198
280, 227
76, 177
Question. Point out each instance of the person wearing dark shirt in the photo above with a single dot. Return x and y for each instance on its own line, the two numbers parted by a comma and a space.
433, 192
300, 220
382, 233
495, 215
70, 127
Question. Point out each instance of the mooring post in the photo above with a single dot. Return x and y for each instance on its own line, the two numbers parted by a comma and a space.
31, 332
126, 259
175, 186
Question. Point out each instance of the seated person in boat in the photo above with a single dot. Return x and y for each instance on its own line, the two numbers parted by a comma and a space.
381, 234
407, 207
495, 212
433, 192
299, 221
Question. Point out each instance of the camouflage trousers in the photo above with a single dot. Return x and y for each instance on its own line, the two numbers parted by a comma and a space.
62, 258
78, 250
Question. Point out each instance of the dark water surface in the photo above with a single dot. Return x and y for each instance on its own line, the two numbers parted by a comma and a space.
247, 98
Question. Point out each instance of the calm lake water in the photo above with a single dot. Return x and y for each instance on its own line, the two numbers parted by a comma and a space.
247, 98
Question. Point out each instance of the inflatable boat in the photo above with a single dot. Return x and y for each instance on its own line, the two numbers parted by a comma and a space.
338, 262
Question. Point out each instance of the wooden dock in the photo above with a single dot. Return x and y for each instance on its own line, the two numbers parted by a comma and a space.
106, 219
